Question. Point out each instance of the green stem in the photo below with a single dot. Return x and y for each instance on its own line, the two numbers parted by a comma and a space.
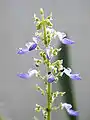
48, 98
49, 84
44, 28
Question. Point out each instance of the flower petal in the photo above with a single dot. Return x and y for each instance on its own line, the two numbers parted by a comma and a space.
67, 71
67, 41
61, 35
75, 76
51, 79
63, 39
23, 75
22, 50
66, 105
72, 112
33, 46
32, 72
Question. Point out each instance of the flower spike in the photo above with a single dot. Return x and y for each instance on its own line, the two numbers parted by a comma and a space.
54, 69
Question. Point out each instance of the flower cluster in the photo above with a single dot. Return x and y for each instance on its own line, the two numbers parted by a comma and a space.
45, 34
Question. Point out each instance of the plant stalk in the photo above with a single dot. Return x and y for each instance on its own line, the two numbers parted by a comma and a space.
49, 84
49, 101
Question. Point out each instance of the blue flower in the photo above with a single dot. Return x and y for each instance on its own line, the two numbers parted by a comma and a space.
23, 75
75, 76
67, 41
63, 39
51, 78
27, 75
29, 46
33, 46
69, 110
72, 76
22, 50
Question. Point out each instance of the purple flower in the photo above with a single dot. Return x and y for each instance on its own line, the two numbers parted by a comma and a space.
75, 76
63, 39
51, 78
72, 112
33, 46
72, 76
69, 110
29, 46
27, 75
22, 50
67, 41
23, 75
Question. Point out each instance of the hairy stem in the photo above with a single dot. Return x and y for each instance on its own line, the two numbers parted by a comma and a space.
49, 84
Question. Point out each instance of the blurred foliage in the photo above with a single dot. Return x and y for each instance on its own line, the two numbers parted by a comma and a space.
66, 82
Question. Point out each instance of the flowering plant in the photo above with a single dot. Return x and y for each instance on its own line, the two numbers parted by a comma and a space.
45, 34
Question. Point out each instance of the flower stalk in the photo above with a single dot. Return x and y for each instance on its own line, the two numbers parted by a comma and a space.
49, 85
45, 34
49, 101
